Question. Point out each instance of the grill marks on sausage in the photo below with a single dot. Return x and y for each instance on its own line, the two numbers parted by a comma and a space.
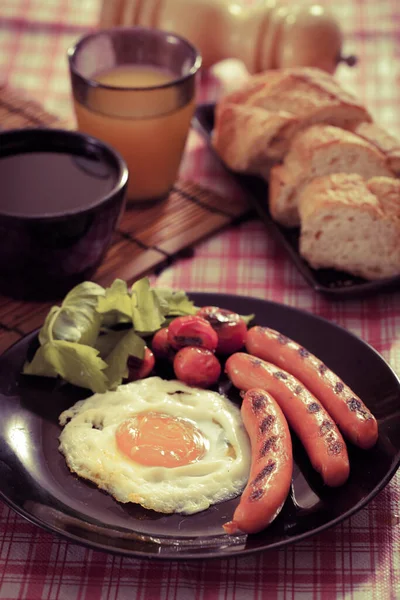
303, 352
280, 375
282, 339
355, 405
339, 387
256, 362
257, 402
267, 445
267, 470
256, 495
291, 382
322, 369
325, 427
335, 446
266, 424
258, 481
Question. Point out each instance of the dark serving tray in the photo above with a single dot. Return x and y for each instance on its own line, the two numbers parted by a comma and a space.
335, 284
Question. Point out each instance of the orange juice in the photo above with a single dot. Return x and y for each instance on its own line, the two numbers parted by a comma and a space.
147, 126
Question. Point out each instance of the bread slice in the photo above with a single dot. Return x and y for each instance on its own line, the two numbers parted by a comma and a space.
282, 202
304, 95
324, 150
351, 224
248, 139
382, 140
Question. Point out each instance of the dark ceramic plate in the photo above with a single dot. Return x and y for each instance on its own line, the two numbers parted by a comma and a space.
327, 281
35, 481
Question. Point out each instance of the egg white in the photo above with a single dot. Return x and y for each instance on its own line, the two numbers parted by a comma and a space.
89, 446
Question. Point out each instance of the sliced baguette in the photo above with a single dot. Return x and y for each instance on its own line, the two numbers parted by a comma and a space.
324, 150
305, 95
353, 225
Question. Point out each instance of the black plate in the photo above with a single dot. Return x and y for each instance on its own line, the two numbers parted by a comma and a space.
35, 481
330, 282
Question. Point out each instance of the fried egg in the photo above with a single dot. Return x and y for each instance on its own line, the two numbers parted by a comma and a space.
161, 444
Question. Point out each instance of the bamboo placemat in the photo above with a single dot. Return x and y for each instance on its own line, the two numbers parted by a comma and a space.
147, 240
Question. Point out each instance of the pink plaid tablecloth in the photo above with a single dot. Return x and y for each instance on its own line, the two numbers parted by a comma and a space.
358, 559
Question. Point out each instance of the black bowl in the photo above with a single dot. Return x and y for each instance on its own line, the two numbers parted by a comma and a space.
62, 195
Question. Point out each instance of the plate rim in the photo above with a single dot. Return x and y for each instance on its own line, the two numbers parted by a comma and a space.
228, 551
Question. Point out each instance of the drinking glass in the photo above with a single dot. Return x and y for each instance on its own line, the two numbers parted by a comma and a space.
134, 88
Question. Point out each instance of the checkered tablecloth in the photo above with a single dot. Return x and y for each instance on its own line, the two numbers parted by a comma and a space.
358, 559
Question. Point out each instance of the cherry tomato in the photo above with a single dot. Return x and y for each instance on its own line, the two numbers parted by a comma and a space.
192, 330
161, 346
197, 367
229, 326
140, 368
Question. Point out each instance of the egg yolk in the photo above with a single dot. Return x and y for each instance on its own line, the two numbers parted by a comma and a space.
160, 440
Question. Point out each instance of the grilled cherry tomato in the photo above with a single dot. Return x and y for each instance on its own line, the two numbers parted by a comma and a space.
192, 330
229, 326
197, 367
140, 368
161, 346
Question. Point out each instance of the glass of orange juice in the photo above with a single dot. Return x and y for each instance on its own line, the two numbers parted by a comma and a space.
134, 87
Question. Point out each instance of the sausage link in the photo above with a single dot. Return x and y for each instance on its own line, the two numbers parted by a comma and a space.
310, 421
271, 464
351, 415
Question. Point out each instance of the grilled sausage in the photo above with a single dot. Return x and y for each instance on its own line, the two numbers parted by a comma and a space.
271, 464
351, 415
310, 421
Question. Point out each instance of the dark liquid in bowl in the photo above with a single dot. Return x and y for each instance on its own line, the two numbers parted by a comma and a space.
53, 183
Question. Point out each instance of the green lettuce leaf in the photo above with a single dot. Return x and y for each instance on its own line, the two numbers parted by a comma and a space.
174, 303
107, 341
39, 365
147, 315
116, 305
76, 363
130, 344
87, 292
45, 334
76, 320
